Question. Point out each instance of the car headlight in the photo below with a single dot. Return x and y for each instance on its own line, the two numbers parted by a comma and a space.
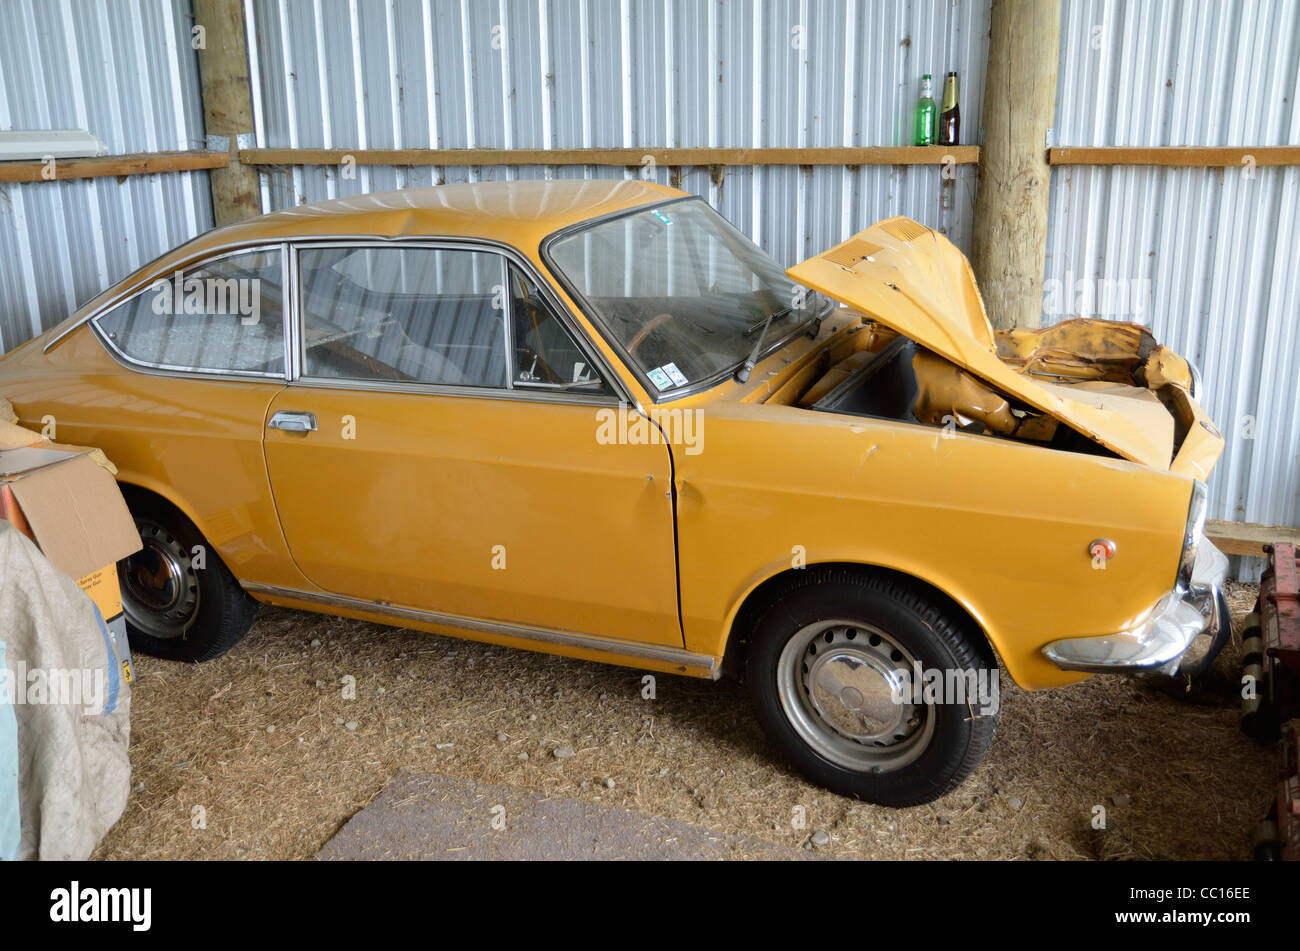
1192, 533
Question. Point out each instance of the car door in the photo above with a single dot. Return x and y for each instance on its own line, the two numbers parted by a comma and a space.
438, 448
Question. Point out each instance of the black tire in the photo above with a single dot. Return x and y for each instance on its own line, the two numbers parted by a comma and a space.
193, 613
935, 748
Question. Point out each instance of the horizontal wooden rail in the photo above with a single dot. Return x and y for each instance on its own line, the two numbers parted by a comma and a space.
144, 163
1248, 538
628, 158
1177, 156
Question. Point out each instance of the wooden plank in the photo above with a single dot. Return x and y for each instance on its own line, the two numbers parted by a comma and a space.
109, 165
227, 103
1248, 538
1009, 251
1176, 156
630, 158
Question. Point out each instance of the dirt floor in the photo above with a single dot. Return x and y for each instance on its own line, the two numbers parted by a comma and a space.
259, 755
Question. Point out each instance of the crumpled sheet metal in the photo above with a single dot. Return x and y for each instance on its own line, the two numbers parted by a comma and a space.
946, 392
1089, 348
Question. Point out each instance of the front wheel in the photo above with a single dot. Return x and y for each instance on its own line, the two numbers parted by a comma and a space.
871, 688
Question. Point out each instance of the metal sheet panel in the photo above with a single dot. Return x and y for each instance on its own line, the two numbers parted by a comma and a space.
1212, 252
126, 72
625, 73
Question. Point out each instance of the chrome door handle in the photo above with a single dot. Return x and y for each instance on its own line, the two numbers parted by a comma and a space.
293, 422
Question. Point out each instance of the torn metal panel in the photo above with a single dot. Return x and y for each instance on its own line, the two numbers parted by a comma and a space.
1093, 349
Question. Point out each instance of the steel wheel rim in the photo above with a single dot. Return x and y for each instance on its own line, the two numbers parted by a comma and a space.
160, 588
838, 683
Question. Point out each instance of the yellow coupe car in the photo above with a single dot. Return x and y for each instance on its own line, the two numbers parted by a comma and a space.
593, 418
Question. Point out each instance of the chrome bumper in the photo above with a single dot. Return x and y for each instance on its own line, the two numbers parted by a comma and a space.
1161, 640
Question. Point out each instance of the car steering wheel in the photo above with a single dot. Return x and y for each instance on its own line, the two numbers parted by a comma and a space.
653, 324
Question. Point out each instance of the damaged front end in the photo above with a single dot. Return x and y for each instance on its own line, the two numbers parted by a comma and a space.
927, 354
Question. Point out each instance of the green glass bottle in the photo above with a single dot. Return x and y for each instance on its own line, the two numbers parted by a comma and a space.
923, 131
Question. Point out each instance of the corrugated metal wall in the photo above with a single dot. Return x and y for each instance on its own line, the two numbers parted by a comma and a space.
627, 73
126, 72
1217, 247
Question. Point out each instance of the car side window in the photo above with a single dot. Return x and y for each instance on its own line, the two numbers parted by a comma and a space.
225, 315
545, 354
407, 315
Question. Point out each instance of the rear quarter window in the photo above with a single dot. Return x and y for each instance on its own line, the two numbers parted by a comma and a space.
223, 316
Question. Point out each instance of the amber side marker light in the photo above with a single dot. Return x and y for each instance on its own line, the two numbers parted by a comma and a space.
1102, 548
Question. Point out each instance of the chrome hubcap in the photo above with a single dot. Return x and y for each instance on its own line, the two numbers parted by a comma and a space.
845, 688
160, 589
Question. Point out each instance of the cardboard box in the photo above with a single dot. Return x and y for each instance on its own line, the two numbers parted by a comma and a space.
71, 507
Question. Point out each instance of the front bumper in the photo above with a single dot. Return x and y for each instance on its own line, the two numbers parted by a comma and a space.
1162, 640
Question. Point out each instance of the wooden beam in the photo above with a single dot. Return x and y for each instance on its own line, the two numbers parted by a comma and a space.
1177, 156
904, 155
227, 104
1009, 250
1248, 538
109, 165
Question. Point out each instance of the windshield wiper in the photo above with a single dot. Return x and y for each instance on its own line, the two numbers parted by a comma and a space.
743, 371
815, 325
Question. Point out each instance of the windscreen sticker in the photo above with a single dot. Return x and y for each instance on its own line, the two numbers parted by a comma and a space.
662, 217
660, 379
674, 374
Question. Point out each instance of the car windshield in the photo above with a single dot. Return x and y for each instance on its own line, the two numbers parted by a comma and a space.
685, 294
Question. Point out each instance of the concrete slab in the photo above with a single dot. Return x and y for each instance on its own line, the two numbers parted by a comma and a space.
427, 817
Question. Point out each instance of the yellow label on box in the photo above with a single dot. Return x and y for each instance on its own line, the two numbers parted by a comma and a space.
103, 589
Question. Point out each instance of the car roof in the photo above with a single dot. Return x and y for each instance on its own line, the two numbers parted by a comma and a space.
521, 213
518, 213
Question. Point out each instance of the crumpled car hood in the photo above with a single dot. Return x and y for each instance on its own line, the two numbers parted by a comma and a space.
914, 281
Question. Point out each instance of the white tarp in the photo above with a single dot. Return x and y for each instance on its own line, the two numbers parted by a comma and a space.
61, 682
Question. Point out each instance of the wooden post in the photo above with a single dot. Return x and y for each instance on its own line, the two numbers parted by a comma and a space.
227, 104
1010, 246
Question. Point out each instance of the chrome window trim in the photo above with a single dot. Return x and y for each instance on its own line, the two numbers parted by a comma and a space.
656, 395
508, 324
169, 369
509, 255
293, 324
605, 645
622, 395
458, 390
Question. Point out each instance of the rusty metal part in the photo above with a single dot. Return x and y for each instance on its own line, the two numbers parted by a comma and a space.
1279, 610
1093, 349
1273, 660
1272, 646
1288, 795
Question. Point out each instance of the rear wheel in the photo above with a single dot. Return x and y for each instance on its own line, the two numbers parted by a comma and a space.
181, 601
832, 669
